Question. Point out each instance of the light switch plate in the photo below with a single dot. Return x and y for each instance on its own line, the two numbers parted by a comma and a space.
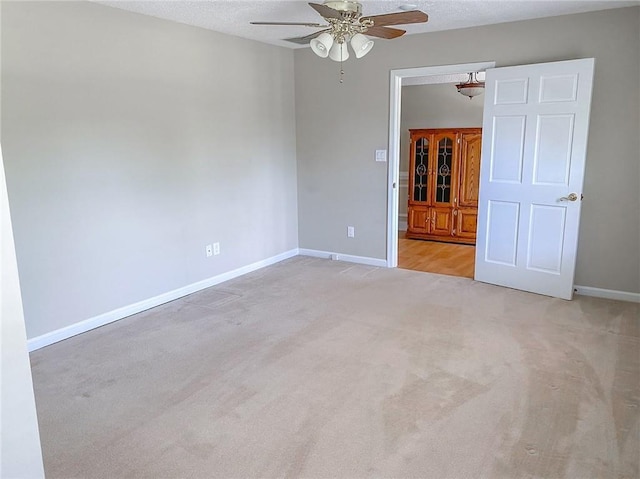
381, 155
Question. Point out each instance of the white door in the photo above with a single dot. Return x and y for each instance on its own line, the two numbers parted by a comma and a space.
535, 128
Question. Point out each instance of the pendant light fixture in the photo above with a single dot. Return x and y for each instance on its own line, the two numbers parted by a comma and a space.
472, 87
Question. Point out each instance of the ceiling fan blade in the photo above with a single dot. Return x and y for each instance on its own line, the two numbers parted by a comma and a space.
400, 18
326, 12
289, 24
304, 40
384, 32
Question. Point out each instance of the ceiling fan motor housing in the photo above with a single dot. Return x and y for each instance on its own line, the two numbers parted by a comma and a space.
354, 9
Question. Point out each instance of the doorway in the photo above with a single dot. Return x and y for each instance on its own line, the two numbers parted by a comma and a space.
422, 98
536, 117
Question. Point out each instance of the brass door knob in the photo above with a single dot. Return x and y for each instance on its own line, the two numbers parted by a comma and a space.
570, 197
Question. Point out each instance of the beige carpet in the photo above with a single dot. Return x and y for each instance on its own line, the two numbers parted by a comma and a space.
314, 368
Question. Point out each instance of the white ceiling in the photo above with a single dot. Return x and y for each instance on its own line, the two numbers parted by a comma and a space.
233, 16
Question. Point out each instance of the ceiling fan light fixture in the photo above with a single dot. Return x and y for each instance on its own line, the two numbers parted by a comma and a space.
339, 52
346, 24
361, 45
322, 45
472, 87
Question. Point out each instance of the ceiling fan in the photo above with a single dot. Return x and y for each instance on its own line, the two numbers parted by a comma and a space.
345, 23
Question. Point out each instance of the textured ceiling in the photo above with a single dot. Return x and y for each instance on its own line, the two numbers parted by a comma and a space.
233, 16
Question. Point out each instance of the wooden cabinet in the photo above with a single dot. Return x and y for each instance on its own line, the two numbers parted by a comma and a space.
444, 172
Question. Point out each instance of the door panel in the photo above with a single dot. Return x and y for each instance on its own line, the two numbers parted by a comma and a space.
556, 88
552, 156
536, 120
471, 147
511, 91
506, 154
466, 222
441, 221
418, 219
546, 230
501, 232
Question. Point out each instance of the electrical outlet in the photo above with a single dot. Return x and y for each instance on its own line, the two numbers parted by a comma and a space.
209, 250
351, 231
216, 249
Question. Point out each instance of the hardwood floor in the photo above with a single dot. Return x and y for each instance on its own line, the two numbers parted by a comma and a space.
435, 257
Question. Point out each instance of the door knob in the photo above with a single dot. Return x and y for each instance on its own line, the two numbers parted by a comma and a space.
570, 197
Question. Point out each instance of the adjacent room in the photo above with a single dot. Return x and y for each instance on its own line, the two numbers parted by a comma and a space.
441, 138
217, 239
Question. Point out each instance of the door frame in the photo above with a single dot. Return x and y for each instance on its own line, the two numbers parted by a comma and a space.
395, 101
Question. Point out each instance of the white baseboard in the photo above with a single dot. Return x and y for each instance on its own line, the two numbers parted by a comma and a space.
607, 293
120, 313
343, 257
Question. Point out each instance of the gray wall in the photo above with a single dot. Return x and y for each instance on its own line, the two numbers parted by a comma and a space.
132, 142
339, 126
437, 105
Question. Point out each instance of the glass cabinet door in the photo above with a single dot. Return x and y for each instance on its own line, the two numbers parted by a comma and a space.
444, 169
420, 172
